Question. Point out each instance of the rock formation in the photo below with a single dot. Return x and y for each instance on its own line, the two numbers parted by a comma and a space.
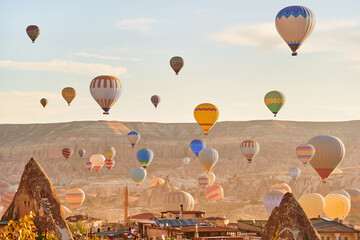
291, 222
37, 194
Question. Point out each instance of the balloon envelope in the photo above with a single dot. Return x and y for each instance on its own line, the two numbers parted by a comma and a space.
4, 187
155, 99
214, 193
109, 153
89, 165
133, 138
67, 152
145, 157
186, 161
305, 152
157, 181
197, 145
81, 152
313, 204
355, 200
7, 198
281, 187
272, 199
109, 163
174, 199
336, 206
294, 172
250, 149
33, 32
98, 161
208, 158
44, 102
206, 115
274, 100
75, 197
176, 64
203, 181
68, 94
138, 175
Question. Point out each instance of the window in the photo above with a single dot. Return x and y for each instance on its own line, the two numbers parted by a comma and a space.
328, 238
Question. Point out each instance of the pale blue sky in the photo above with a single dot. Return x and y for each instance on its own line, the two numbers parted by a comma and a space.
233, 57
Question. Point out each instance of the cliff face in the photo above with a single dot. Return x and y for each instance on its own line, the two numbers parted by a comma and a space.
36, 194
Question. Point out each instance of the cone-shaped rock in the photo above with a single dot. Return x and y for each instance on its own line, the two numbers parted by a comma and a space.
291, 221
37, 194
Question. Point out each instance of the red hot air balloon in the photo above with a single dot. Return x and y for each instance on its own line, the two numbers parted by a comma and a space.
214, 193
155, 100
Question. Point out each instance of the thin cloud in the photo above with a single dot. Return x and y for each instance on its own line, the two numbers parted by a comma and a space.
65, 66
140, 24
91, 55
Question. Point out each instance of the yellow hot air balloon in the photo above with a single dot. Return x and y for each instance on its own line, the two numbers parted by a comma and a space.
206, 115
157, 181
69, 94
336, 206
75, 197
211, 177
313, 204
109, 153
177, 64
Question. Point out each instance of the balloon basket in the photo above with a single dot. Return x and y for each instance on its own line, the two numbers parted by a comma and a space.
294, 54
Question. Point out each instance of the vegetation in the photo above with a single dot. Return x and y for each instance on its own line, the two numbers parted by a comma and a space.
276, 235
25, 229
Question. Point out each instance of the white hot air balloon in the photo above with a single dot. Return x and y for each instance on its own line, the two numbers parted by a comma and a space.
98, 161
208, 158
294, 172
186, 161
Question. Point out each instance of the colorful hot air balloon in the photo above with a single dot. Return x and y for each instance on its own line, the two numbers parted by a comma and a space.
206, 115
157, 181
109, 163
250, 149
4, 187
313, 204
145, 156
355, 200
81, 152
203, 181
89, 165
44, 102
106, 90
274, 100
294, 172
294, 24
336, 206
281, 187
305, 152
197, 145
75, 197
67, 152
208, 158
98, 161
214, 193
69, 94
155, 99
109, 152
7, 198
211, 177
33, 32
138, 175
272, 199
177, 64
330, 152
186, 161
174, 199
133, 138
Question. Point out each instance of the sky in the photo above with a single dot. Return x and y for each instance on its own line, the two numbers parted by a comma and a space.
233, 56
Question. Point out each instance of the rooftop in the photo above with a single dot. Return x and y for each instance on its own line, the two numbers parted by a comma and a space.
208, 229
176, 222
326, 225
80, 218
184, 212
147, 216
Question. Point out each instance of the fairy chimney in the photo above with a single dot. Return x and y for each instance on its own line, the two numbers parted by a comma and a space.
37, 194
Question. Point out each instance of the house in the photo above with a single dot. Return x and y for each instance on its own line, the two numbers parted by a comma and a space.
218, 221
199, 215
144, 217
333, 230
92, 223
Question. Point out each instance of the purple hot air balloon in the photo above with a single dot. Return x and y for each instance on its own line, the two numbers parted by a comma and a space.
155, 99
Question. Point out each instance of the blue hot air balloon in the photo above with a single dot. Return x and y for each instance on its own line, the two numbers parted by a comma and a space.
197, 145
145, 156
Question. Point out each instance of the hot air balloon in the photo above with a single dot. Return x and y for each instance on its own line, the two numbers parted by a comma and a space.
203, 181
98, 161
145, 156
305, 152
294, 24
186, 161
157, 181
138, 175
67, 152
330, 151
89, 165
214, 193
250, 149
4, 187
81, 152
66, 210
208, 158
294, 172
33, 32
44, 102
341, 192
336, 206
109, 153
176, 64
69, 94
313, 204
206, 115
109, 163
355, 200
197, 145
211, 177
106, 90
272, 199
274, 100
75, 197
133, 138
281, 187
155, 99
7, 198
174, 199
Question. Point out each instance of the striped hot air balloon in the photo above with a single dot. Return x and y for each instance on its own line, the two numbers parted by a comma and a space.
211, 177
67, 152
4, 187
176, 64
7, 198
157, 181
214, 193
133, 138
33, 32
294, 172
337, 206
281, 187
109, 153
203, 182
89, 165
206, 115
75, 197
197, 145
145, 157
305, 152
274, 100
272, 199
174, 199
106, 90
250, 149
109, 163
98, 161
313, 204
69, 94
355, 200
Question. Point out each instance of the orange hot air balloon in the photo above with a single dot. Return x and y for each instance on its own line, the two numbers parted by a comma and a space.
157, 181
305, 152
177, 64
250, 149
206, 115
44, 102
68, 94
214, 193
7, 198
33, 32
67, 152
75, 197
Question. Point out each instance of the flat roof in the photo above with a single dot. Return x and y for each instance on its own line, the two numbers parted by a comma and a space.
329, 226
